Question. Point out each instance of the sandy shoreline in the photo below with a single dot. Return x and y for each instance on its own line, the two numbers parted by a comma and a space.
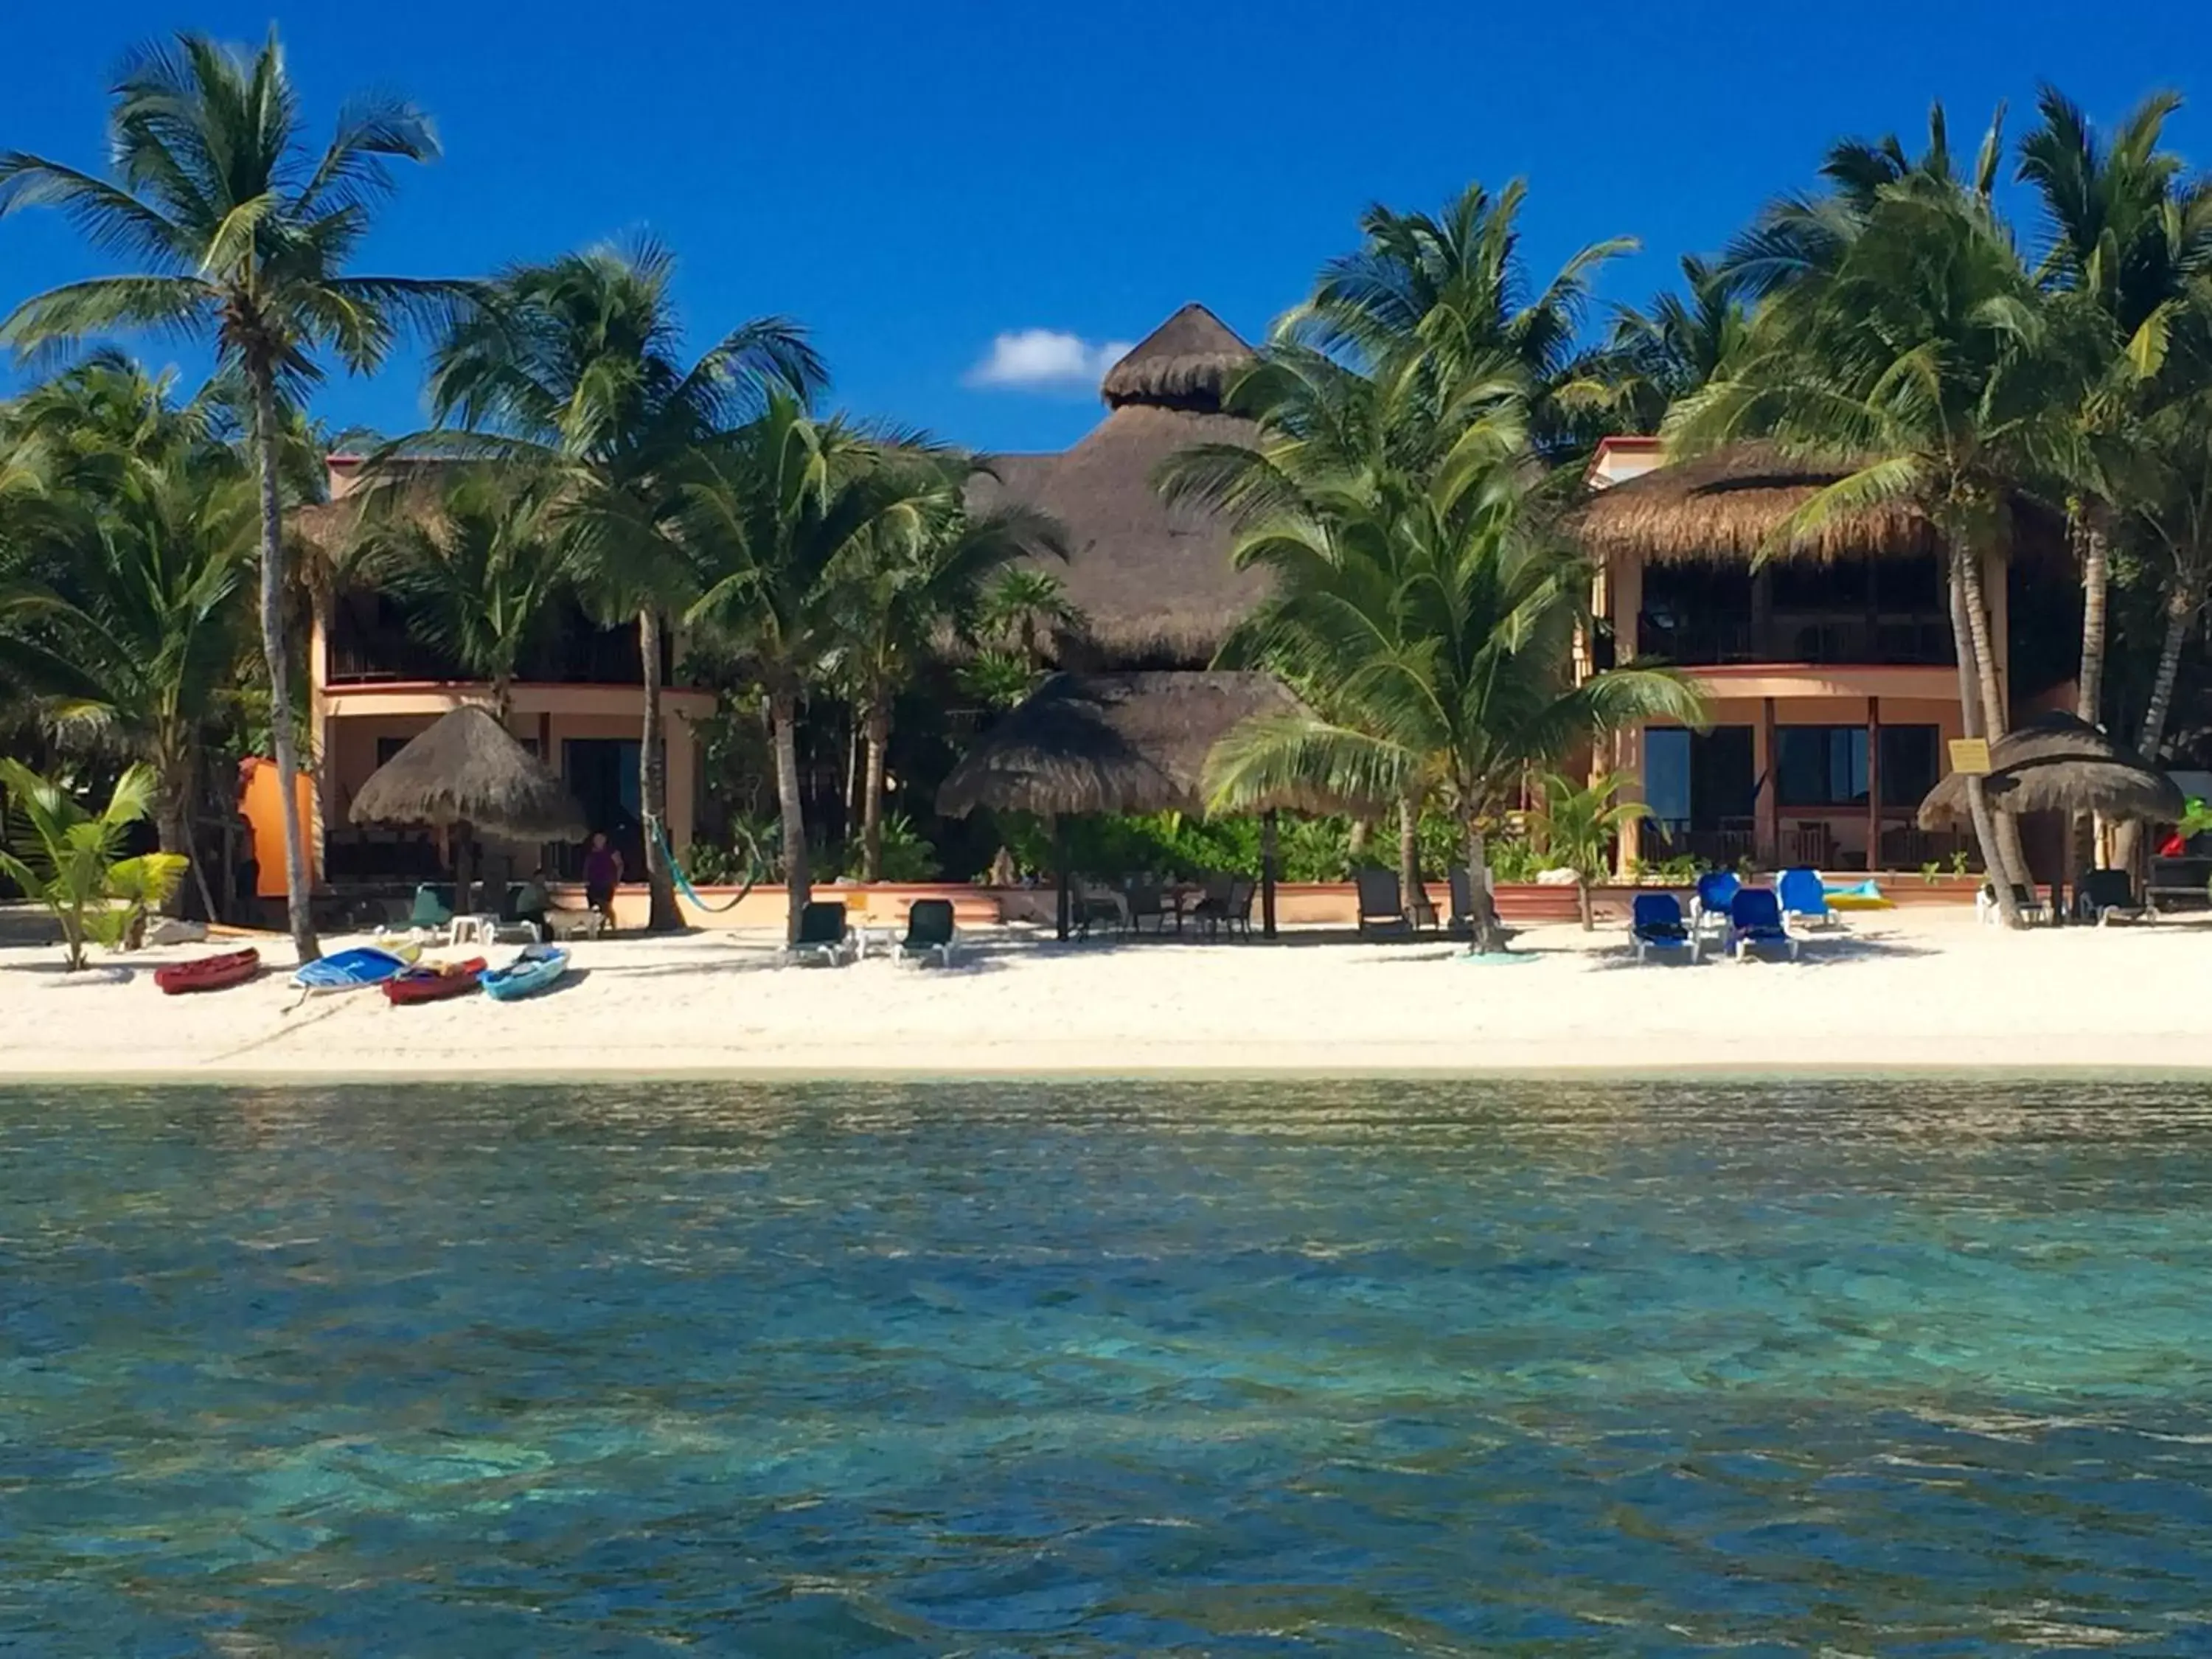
1910, 990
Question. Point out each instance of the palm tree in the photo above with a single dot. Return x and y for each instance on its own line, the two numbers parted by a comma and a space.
133, 636
482, 575
915, 583
1446, 299
1579, 822
244, 232
1655, 359
771, 517
1436, 624
2128, 236
1921, 353
1021, 607
577, 365
2178, 508
67, 859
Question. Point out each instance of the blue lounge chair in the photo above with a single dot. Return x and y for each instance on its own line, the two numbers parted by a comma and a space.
1803, 895
1709, 905
1657, 923
1755, 919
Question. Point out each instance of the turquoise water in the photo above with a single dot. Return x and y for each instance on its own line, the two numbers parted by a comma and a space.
1556, 1368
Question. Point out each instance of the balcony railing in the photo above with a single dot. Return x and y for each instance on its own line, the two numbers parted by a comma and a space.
1899, 640
360, 656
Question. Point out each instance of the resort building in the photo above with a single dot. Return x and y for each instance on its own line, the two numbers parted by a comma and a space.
577, 705
1828, 669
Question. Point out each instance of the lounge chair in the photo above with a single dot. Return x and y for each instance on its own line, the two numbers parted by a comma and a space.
1655, 924
1804, 896
434, 909
2024, 899
824, 940
1462, 901
1232, 909
2109, 896
1709, 905
930, 934
1755, 919
1382, 906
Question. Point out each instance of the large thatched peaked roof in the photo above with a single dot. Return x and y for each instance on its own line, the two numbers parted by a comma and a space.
1725, 507
1112, 742
1152, 581
1187, 362
465, 768
2058, 763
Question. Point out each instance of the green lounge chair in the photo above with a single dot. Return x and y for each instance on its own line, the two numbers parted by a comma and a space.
434, 909
1381, 905
930, 934
824, 940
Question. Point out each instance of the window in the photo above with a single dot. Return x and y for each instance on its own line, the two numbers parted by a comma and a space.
1667, 776
1826, 765
1821, 765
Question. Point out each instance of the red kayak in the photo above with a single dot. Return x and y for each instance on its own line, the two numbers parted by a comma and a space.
434, 984
209, 972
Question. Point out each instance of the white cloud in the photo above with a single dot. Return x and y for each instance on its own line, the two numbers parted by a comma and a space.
1046, 360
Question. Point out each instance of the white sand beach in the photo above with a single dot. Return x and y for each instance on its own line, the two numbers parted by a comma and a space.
1913, 988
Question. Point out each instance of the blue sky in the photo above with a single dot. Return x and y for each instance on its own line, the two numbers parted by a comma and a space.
912, 182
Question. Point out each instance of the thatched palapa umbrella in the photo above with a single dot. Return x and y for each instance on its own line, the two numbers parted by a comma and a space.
1119, 743
2058, 763
465, 774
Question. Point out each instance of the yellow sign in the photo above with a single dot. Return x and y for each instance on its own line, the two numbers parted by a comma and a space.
1971, 756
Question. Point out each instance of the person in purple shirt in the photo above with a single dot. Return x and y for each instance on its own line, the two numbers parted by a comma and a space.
602, 870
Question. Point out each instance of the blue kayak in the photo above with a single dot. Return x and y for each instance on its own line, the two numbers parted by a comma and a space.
536, 968
352, 971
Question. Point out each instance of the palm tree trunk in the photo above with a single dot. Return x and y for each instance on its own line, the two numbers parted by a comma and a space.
783, 730
1409, 853
1969, 716
1489, 934
172, 818
872, 805
1996, 719
2180, 611
2094, 535
298, 893
661, 915
1583, 903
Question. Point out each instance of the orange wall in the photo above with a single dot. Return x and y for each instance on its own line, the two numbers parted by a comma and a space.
261, 802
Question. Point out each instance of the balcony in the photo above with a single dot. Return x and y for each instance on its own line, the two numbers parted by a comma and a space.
370, 644
1901, 639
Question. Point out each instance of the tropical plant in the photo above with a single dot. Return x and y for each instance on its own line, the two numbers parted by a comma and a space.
131, 639
1918, 346
995, 679
768, 518
1439, 622
1022, 607
482, 576
1655, 359
908, 587
66, 859
577, 365
1443, 302
1579, 822
244, 232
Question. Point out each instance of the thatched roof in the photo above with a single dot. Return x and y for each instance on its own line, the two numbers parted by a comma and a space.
466, 769
2056, 763
1150, 580
1113, 743
1725, 508
1187, 362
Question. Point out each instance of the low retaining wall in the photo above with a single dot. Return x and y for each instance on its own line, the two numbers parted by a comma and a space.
1297, 904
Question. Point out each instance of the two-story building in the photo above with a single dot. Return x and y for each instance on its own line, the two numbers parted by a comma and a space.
1828, 668
578, 704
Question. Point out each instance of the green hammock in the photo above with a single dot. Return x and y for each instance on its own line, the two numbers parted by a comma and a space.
683, 881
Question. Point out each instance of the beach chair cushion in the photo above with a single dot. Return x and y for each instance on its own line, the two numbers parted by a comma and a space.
929, 931
823, 935
1802, 893
1755, 918
2105, 894
1381, 905
1657, 918
433, 907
